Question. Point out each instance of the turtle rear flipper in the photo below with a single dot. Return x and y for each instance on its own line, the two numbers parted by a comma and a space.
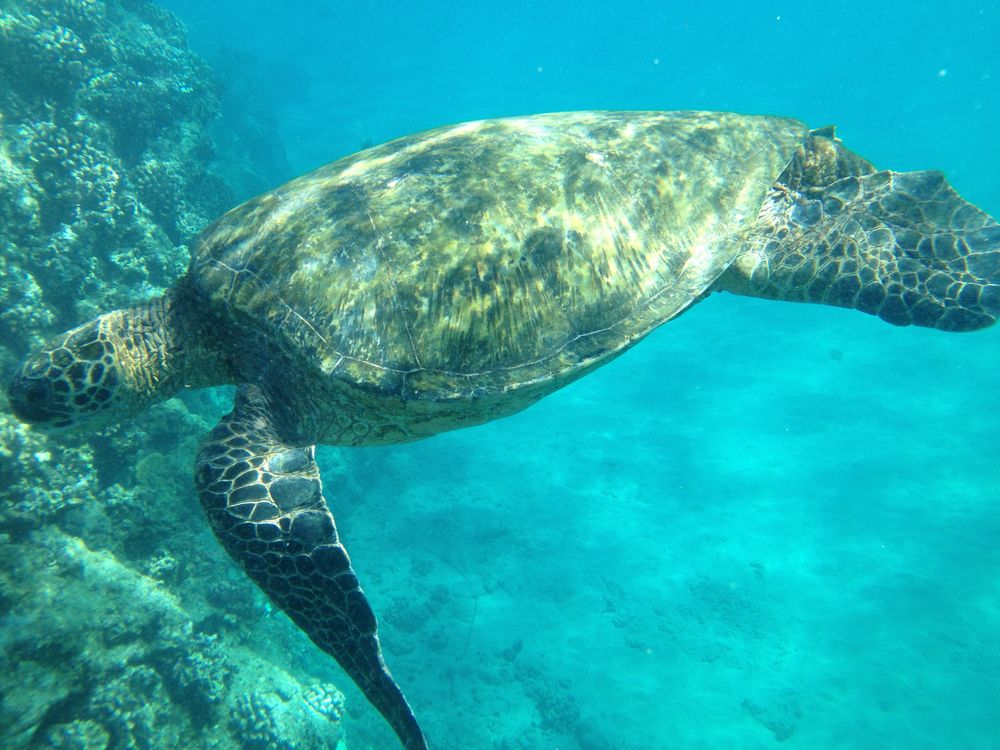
265, 501
903, 246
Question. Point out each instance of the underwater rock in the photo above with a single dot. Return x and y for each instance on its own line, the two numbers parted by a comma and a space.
107, 157
780, 716
110, 636
145, 678
75, 234
28, 463
193, 673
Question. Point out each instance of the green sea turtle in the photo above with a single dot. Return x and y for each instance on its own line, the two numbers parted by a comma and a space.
459, 275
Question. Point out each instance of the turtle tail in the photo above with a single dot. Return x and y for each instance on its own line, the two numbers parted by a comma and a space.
901, 245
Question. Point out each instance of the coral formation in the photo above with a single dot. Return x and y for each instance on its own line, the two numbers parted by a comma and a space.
273, 719
145, 678
254, 723
326, 700
118, 624
106, 157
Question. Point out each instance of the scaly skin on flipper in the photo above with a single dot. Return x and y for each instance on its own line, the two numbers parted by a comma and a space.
901, 245
265, 502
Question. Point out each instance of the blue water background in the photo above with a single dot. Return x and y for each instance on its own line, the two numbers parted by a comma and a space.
769, 524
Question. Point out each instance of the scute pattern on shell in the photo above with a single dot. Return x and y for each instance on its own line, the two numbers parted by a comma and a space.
497, 254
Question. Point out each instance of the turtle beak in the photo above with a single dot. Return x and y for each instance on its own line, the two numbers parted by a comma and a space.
32, 398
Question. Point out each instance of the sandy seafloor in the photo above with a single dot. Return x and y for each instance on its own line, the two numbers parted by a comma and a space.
767, 525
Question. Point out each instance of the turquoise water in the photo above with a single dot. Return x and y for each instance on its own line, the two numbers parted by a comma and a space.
769, 524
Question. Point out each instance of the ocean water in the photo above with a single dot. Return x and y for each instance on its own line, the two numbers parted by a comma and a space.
768, 525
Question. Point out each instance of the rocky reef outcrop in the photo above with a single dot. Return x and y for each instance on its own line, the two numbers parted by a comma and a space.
122, 623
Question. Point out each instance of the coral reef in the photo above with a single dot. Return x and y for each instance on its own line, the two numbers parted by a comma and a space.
89, 92
253, 721
145, 676
122, 624
108, 158
272, 720
327, 701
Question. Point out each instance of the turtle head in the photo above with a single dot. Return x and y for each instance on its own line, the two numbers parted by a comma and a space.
73, 379
115, 365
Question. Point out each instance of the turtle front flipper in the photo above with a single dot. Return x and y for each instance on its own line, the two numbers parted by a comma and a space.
901, 245
264, 499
